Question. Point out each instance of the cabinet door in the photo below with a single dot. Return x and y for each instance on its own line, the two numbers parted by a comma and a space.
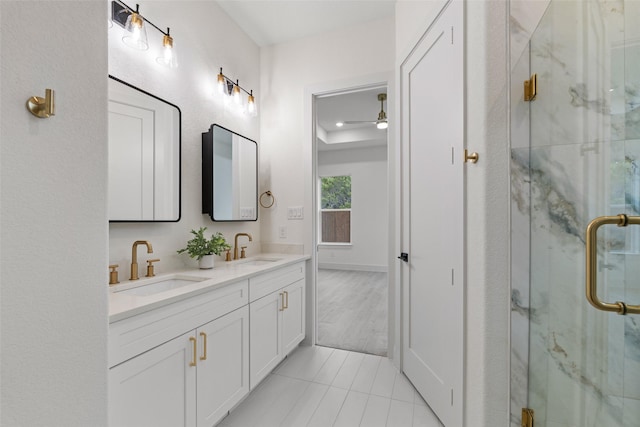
223, 365
264, 333
156, 388
293, 320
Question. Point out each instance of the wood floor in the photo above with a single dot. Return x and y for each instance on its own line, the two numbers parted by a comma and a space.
352, 310
325, 387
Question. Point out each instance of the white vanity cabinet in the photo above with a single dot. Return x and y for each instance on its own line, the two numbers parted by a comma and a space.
186, 359
191, 380
277, 318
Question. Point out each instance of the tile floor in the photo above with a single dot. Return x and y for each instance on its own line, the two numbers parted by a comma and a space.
322, 387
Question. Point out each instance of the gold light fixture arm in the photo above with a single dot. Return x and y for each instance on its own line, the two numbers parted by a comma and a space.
42, 107
619, 307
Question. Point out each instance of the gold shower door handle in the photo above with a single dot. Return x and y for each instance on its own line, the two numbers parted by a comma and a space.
619, 307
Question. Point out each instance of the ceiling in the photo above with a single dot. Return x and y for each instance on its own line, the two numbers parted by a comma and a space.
270, 22
362, 105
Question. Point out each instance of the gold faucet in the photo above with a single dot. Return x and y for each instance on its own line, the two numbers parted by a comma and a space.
134, 257
235, 248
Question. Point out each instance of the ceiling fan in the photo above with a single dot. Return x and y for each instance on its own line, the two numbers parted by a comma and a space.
381, 123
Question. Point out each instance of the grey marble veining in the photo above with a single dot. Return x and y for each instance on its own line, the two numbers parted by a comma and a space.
574, 365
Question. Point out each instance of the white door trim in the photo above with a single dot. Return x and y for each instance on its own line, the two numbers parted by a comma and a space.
310, 176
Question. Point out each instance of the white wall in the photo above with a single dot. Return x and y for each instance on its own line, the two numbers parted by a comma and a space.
53, 216
369, 237
291, 72
487, 198
205, 40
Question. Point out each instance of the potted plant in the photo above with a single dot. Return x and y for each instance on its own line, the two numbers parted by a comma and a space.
203, 249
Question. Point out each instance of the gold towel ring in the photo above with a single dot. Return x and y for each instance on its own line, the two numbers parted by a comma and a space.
269, 194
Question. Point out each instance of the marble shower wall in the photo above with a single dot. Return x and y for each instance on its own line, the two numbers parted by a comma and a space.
575, 155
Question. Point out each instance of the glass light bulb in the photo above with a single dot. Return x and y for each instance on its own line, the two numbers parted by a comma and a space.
237, 99
135, 34
222, 84
252, 109
168, 57
382, 125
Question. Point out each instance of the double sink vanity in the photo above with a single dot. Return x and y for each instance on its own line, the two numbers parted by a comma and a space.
187, 347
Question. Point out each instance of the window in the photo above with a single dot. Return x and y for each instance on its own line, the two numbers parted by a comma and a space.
335, 209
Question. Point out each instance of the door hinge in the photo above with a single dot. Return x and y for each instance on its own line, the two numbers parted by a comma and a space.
527, 417
531, 88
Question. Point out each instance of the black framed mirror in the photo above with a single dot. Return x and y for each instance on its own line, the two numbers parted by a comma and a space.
229, 175
144, 156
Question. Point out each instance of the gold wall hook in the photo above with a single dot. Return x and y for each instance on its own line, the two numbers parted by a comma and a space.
42, 107
470, 157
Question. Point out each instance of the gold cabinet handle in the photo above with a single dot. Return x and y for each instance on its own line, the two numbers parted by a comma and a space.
195, 351
204, 344
282, 307
286, 296
619, 307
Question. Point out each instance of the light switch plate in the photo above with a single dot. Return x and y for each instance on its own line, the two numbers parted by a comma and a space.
295, 212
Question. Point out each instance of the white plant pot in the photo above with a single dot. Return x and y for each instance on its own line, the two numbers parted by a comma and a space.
206, 262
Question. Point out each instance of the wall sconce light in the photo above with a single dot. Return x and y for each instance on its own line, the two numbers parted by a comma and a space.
233, 91
135, 32
168, 57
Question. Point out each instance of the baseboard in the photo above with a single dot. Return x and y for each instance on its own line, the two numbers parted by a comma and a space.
353, 267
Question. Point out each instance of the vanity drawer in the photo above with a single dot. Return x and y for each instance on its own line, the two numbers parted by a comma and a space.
270, 282
140, 333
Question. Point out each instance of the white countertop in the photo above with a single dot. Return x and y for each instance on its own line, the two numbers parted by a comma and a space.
122, 306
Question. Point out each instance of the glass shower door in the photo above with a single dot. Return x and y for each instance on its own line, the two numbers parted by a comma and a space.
584, 162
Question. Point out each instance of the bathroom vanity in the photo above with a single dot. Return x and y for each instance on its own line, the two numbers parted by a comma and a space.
186, 348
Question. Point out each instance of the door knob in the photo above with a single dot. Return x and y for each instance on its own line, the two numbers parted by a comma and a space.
404, 257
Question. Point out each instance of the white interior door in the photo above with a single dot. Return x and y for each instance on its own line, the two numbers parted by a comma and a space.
432, 217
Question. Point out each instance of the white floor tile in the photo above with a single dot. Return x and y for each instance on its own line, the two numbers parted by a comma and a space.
330, 369
376, 412
423, 417
305, 362
348, 371
352, 409
366, 391
385, 378
400, 414
329, 408
260, 399
366, 374
306, 406
284, 403
402, 389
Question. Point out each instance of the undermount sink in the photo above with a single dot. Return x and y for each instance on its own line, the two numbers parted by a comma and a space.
259, 261
161, 284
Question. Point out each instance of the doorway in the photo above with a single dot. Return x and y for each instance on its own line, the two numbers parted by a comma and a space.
573, 364
352, 283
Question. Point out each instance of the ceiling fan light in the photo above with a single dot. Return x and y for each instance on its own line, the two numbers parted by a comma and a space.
382, 123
